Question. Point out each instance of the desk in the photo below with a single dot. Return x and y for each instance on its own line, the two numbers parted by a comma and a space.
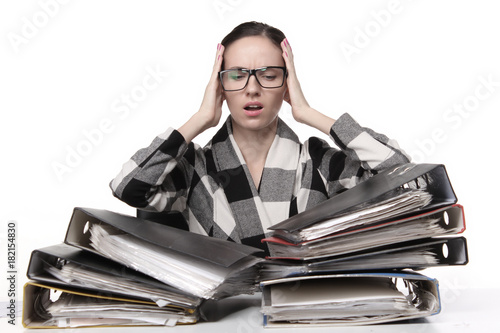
468, 310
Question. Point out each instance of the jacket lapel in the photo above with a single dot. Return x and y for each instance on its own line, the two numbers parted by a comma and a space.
279, 176
254, 212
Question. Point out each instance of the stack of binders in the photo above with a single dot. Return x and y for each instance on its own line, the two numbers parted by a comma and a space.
118, 270
351, 260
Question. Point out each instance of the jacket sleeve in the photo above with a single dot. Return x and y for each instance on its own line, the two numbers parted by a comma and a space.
156, 178
363, 153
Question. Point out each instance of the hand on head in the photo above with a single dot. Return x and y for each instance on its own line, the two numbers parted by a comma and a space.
211, 105
294, 95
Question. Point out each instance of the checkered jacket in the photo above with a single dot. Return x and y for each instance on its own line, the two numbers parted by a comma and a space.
213, 188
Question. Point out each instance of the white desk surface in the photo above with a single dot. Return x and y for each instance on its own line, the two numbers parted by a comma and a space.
468, 310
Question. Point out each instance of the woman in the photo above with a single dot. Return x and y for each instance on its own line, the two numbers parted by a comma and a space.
254, 172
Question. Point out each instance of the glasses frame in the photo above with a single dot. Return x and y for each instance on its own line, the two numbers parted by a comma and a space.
252, 72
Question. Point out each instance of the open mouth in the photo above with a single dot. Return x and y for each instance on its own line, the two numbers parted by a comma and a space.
253, 107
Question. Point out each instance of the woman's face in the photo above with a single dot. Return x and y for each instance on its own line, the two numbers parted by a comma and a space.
250, 53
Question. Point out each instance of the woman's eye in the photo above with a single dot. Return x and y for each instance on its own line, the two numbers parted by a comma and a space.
236, 76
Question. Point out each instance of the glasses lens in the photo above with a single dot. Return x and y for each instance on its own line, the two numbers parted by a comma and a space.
234, 79
270, 77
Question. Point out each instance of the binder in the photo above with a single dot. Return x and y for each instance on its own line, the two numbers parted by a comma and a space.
222, 252
64, 254
345, 261
220, 255
439, 222
37, 296
431, 178
416, 255
319, 300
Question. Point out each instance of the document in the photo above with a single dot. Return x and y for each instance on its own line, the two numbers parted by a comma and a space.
78, 276
444, 221
409, 258
198, 277
408, 201
347, 299
64, 309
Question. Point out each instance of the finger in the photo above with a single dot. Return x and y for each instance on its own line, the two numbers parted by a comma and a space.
218, 62
287, 49
284, 48
288, 57
218, 52
219, 55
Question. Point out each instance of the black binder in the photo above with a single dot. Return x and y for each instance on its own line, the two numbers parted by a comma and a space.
283, 299
60, 254
443, 251
222, 252
451, 220
430, 177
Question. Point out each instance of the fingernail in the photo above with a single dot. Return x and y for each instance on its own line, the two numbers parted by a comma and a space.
218, 57
218, 46
286, 53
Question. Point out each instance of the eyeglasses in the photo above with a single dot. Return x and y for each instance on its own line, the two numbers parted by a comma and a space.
267, 77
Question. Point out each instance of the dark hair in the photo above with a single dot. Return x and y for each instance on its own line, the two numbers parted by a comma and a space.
253, 28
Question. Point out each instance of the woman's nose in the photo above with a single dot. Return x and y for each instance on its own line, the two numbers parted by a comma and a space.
253, 86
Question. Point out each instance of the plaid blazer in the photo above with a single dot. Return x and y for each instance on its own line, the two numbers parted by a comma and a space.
214, 190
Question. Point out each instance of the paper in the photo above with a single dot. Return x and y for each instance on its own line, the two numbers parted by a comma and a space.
191, 274
357, 241
84, 277
274, 269
71, 310
326, 291
390, 208
345, 300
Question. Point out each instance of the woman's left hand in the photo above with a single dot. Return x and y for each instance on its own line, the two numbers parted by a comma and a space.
294, 95
301, 110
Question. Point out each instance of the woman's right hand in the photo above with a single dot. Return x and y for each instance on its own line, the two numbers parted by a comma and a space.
211, 106
210, 110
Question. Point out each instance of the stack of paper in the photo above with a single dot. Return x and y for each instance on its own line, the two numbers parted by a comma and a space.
194, 275
78, 276
403, 201
69, 309
114, 269
395, 220
349, 299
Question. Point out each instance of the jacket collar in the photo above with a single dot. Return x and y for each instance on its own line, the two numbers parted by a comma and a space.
252, 210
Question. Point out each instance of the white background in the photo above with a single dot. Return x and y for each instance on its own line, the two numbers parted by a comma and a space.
66, 68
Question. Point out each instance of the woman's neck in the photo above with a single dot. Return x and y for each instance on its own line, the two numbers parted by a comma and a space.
254, 146
255, 142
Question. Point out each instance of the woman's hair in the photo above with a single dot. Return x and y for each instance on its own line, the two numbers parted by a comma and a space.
253, 28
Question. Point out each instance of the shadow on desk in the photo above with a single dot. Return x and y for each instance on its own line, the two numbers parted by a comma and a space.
213, 311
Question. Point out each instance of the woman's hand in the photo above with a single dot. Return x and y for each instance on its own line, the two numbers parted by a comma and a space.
294, 95
211, 106
210, 110
301, 110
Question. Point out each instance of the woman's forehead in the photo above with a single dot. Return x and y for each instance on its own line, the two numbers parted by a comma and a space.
252, 52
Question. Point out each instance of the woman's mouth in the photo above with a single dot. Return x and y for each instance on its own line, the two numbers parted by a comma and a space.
253, 109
